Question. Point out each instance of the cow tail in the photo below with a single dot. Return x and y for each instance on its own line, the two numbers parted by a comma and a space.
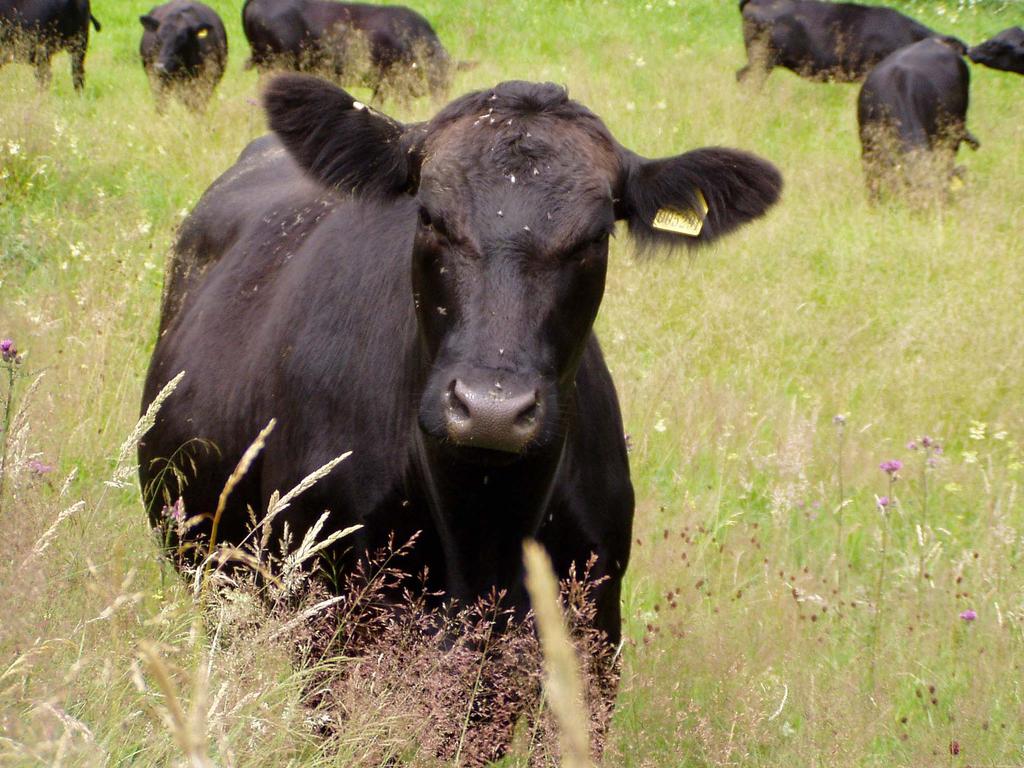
95, 22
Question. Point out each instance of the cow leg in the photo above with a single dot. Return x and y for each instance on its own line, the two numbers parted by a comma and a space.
869, 167
199, 99
43, 74
572, 537
40, 59
872, 167
78, 65
756, 71
759, 57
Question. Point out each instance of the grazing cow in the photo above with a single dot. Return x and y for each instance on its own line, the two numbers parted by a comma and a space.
822, 41
912, 113
422, 295
184, 51
383, 47
1005, 51
32, 31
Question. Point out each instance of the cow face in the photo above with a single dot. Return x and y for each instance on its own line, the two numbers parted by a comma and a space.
515, 208
1005, 51
516, 192
182, 43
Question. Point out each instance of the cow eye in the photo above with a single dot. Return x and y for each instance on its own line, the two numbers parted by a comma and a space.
582, 251
433, 225
585, 248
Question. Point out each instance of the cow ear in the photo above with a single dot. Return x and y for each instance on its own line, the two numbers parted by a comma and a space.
695, 197
339, 141
149, 23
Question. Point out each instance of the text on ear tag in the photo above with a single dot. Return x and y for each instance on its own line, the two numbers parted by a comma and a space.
202, 33
688, 222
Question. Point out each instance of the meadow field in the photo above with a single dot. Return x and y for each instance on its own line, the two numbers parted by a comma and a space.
789, 602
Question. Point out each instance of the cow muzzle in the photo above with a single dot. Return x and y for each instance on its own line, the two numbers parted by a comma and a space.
492, 415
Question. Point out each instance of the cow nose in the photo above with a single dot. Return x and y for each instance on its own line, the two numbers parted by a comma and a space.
493, 417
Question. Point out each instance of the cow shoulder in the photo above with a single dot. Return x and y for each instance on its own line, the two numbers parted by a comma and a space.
241, 200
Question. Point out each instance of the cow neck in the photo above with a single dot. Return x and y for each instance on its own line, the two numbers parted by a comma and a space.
482, 516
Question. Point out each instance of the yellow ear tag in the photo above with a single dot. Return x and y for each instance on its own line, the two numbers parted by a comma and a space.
202, 33
956, 184
687, 222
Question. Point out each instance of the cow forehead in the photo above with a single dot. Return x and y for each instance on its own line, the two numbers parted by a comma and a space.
529, 160
180, 19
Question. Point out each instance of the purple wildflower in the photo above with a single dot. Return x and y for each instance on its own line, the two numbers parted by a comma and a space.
926, 441
8, 350
968, 615
175, 511
884, 501
911, 446
891, 467
839, 420
37, 467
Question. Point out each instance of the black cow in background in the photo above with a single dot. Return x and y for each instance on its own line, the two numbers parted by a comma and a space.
820, 40
184, 51
1005, 51
423, 296
912, 113
32, 31
387, 48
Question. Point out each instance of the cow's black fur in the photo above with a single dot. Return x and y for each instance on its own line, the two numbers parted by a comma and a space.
382, 46
822, 40
349, 275
32, 31
184, 51
912, 113
1005, 51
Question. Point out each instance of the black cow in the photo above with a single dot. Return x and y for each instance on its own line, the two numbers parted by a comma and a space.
383, 47
184, 51
912, 113
822, 41
32, 31
1005, 51
422, 295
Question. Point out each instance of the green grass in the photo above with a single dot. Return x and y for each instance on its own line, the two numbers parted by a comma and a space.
730, 365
